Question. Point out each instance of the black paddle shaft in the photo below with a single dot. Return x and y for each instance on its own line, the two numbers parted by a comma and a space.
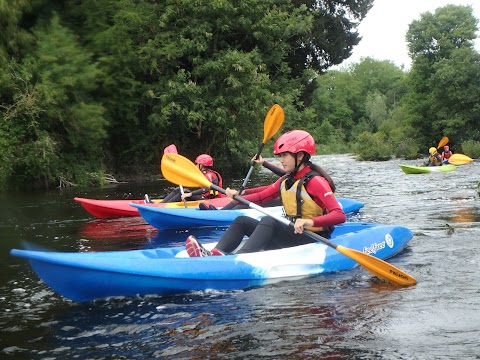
251, 169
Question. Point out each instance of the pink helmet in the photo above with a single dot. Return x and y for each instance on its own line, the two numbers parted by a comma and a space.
446, 148
294, 141
204, 159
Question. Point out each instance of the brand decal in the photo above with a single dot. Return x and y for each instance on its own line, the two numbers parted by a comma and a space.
170, 158
372, 249
397, 274
389, 240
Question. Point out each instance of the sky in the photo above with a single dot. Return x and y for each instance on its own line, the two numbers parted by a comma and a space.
384, 28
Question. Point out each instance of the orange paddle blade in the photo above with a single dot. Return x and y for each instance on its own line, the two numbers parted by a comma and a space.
181, 171
273, 122
378, 267
443, 142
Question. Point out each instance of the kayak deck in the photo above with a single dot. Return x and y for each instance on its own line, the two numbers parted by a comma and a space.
163, 218
163, 271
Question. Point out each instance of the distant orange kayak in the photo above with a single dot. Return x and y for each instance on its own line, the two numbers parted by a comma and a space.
111, 209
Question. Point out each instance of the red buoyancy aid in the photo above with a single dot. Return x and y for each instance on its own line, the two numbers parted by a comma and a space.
215, 178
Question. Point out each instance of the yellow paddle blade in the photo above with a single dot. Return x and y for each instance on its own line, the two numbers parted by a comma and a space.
273, 122
459, 159
378, 267
181, 171
443, 142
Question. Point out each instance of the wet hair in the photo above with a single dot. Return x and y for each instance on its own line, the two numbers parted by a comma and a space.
318, 169
322, 173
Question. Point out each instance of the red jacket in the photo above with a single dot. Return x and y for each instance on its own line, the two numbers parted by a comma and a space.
318, 189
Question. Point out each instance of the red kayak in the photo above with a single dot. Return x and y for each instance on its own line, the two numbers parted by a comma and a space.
110, 209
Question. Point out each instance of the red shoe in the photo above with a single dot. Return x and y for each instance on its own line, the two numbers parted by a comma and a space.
216, 252
195, 249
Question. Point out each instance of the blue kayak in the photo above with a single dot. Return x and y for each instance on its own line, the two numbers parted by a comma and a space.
164, 271
181, 218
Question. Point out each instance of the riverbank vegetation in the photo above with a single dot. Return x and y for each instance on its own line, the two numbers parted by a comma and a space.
103, 86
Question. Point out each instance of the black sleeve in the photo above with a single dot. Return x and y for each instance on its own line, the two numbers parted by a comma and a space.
275, 169
200, 191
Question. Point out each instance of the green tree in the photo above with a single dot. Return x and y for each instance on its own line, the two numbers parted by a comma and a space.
456, 94
376, 110
199, 74
15, 38
196, 72
382, 77
56, 128
444, 78
335, 99
435, 35
331, 37
359, 98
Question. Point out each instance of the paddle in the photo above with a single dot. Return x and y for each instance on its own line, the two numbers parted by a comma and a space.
180, 170
273, 122
443, 141
172, 149
459, 159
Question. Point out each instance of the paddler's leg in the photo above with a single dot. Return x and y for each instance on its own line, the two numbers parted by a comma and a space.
271, 234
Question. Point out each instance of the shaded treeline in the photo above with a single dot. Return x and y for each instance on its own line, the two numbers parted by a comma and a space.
102, 86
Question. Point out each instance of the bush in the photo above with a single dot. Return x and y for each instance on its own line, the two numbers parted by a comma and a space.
407, 149
471, 148
373, 147
329, 140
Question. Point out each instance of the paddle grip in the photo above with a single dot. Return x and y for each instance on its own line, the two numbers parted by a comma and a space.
244, 184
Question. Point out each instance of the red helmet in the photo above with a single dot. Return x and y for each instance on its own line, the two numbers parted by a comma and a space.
204, 159
294, 141
446, 148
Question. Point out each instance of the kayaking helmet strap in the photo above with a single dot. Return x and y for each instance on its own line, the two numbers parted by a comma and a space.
305, 160
297, 165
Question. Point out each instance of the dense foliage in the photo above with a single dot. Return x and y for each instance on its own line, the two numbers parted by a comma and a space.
100, 86
103, 86
444, 82
384, 111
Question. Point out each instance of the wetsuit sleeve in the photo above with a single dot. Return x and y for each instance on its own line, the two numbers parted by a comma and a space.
256, 189
322, 194
269, 193
275, 169
201, 191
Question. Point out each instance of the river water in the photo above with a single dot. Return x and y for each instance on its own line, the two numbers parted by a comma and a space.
346, 315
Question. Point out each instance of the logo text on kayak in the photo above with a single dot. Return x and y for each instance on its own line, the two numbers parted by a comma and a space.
372, 249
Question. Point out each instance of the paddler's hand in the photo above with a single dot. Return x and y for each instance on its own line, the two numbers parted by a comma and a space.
300, 225
259, 161
186, 195
231, 193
